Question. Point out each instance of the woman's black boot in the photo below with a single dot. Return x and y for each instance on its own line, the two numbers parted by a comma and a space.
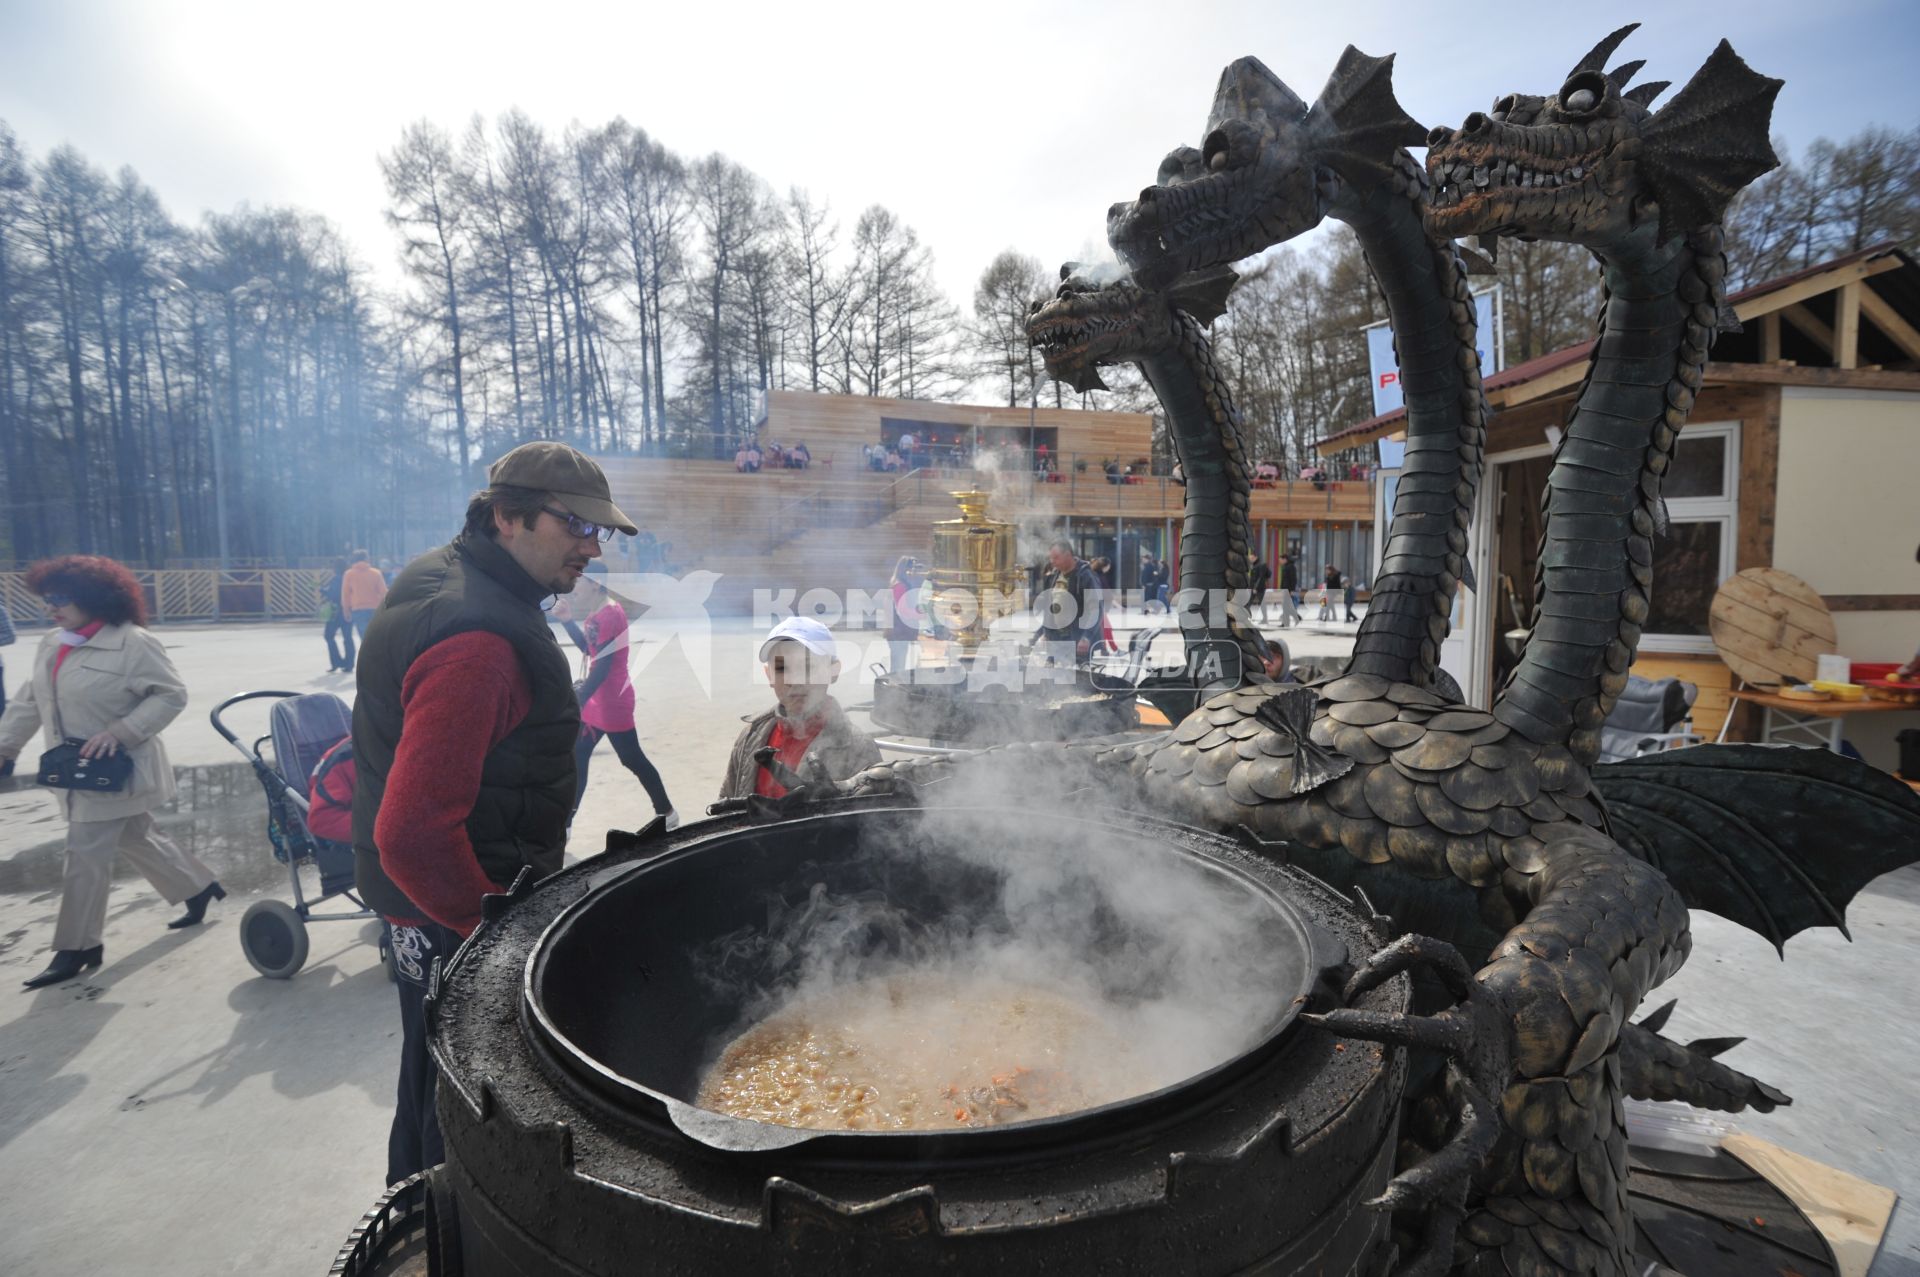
197, 906
66, 964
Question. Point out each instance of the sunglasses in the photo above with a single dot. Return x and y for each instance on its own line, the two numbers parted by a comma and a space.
57, 599
579, 527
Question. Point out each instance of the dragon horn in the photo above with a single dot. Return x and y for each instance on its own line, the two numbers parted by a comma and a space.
1623, 74
1596, 58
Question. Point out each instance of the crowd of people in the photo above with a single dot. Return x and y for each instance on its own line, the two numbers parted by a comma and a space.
907, 451
1268, 473
1290, 596
751, 457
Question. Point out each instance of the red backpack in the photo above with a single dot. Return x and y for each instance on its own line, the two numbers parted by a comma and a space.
330, 803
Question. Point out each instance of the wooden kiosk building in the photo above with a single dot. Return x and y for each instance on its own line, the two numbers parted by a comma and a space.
1802, 453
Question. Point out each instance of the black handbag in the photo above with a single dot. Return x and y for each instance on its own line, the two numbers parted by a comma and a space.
62, 768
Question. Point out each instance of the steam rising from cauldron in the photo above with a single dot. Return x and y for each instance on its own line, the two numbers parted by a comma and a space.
1161, 959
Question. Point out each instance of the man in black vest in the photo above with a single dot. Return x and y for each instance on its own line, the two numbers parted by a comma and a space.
463, 733
1068, 607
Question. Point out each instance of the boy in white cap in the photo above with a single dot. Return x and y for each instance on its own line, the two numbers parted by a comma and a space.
806, 729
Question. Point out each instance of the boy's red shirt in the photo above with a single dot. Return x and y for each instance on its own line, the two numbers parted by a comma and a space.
790, 742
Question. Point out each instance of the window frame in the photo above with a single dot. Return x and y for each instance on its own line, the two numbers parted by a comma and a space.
1724, 510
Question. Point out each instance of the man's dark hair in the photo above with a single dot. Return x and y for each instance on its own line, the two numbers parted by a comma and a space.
513, 501
359, 556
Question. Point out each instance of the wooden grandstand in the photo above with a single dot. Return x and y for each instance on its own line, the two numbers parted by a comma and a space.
839, 525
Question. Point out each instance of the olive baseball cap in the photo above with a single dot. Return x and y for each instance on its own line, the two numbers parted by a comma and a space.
573, 478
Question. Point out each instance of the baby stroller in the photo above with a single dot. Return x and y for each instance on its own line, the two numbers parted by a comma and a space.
301, 730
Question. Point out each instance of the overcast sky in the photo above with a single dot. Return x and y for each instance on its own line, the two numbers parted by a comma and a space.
984, 124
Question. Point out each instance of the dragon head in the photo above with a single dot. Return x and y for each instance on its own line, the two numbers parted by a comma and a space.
1595, 160
1267, 169
1102, 316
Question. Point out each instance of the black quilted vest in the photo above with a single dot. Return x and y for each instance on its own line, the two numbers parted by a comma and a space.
519, 819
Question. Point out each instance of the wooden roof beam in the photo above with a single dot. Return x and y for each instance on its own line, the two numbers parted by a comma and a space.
1810, 324
1846, 326
1889, 321
1539, 387
1825, 282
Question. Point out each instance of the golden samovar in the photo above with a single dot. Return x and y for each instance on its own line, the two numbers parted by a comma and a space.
973, 574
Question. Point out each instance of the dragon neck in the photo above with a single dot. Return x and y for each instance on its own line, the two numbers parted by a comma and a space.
1210, 440
1658, 315
1434, 335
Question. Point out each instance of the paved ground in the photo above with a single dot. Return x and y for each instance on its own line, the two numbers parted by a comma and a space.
175, 1114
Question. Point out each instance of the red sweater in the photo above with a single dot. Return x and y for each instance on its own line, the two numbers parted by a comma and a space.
459, 699
789, 747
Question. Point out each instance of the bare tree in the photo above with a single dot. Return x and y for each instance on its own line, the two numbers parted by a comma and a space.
1873, 190
816, 294
1009, 285
427, 211
649, 184
497, 251
728, 205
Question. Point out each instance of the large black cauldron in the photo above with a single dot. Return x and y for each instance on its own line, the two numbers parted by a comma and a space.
572, 1029
935, 703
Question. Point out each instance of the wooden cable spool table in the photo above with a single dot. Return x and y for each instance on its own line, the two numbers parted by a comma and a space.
1770, 627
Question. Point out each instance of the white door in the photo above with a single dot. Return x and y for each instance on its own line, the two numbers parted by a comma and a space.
1468, 652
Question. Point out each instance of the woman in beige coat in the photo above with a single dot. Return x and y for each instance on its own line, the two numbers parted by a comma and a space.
101, 678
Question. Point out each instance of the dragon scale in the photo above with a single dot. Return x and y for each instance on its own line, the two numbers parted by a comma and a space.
1434, 336
1210, 440
1603, 494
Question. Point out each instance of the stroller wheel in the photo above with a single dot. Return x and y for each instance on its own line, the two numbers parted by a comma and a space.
274, 938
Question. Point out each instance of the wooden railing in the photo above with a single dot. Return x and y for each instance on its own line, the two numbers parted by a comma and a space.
1091, 492
198, 594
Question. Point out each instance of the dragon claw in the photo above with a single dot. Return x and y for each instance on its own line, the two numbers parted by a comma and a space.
1403, 955
1475, 1036
1434, 1033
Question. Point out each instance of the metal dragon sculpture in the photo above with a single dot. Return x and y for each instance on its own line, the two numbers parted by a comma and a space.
1270, 168
1541, 897
1096, 319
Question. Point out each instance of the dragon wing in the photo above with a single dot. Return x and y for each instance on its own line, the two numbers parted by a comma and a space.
1774, 838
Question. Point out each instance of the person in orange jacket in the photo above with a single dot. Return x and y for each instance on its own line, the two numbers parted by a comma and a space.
361, 590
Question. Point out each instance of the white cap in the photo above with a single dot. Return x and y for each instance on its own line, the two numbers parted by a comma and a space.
804, 630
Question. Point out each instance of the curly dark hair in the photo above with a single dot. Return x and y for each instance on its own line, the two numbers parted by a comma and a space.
512, 501
99, 586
